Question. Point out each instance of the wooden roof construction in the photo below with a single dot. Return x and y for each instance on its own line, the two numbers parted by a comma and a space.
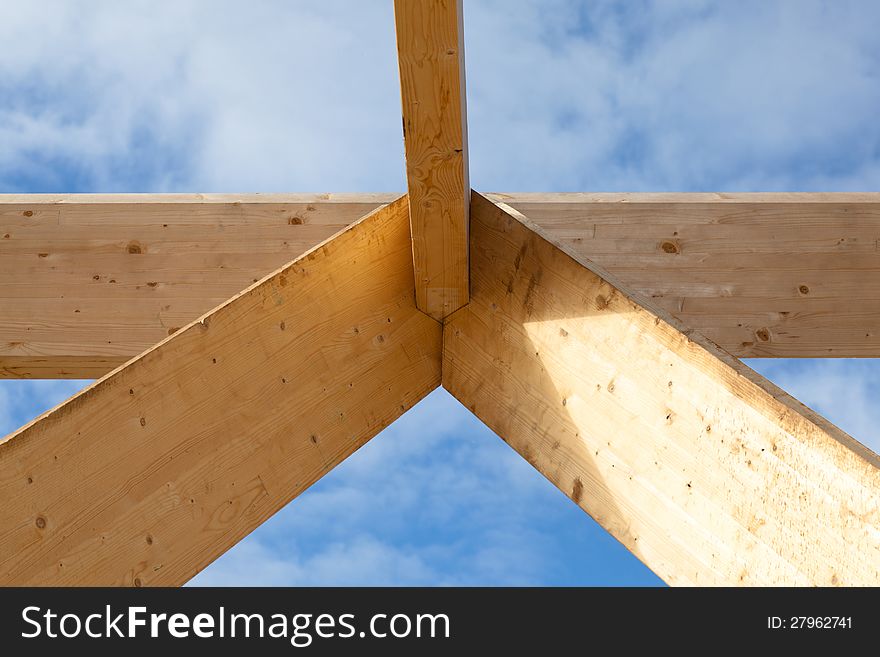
244, 345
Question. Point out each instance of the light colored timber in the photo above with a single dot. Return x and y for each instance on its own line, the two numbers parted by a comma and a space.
154, 471
762, 275
703, 469
88, 281
430, 46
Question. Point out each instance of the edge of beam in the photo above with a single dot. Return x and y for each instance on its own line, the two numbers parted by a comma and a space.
683, 197
248, 198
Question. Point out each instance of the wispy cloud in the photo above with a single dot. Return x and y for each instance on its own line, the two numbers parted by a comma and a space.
688, 95
273, 96
199, 96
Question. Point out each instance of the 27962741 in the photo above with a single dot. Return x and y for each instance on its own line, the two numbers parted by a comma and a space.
809, 623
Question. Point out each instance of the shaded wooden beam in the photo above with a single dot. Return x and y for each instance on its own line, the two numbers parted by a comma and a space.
153, 472
762, 275
703, 469
430, 46
89, 281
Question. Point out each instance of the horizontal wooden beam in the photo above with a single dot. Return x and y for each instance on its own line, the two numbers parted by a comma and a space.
762, 275
703, 469
89, 281
150, 474
430, 46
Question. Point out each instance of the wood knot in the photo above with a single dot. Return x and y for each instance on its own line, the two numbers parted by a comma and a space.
763, 334
577, 490
28, 213
295, 221
134, 247
40, 522
669, 246
803, 289
143, 421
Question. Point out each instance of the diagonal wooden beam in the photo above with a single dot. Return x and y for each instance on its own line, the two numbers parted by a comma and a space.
762, 275
430, 46
703, 469
157, 469
88, 281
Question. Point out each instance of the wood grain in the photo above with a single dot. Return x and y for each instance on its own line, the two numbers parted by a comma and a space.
762, 275
430, 46
89, 281
703, 469
158, 468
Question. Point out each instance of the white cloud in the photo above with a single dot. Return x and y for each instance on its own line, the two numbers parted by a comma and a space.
674, 95
268, 96
275, 96
360, 561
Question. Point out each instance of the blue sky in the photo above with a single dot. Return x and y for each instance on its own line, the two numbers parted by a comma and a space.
216, 96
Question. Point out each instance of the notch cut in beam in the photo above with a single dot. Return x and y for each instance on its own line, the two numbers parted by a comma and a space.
762, 275
156, 470
89, 281
703, 469
430, 46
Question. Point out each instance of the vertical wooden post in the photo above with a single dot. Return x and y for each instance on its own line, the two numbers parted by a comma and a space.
430, 46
